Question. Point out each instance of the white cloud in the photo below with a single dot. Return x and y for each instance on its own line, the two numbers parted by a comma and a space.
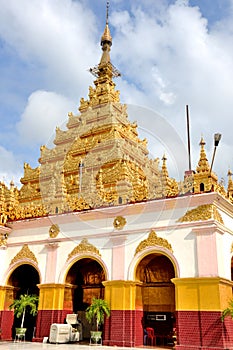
44, 111
58, 36
9, 167
176, 60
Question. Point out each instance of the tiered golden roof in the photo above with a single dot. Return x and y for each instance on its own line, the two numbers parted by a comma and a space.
98, 160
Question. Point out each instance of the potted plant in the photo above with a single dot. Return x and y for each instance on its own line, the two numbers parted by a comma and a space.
25, 302
97, 311
228, 311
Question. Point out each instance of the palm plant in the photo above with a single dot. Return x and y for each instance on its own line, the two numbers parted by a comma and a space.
25, 302
98, 309
228, 311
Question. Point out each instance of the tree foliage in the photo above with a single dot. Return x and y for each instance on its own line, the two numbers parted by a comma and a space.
97, 311
228, 311
25, 302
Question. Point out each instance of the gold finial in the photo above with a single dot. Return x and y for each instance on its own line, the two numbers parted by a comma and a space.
203, 164
164, 166
106, 37
107, 8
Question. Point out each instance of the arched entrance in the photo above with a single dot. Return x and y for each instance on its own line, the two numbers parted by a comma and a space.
155, 271
24, 279
85, 276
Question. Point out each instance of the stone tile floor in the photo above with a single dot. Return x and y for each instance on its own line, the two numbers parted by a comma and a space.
21, 345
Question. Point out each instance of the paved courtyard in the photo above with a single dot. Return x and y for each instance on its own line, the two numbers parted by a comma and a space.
37, 346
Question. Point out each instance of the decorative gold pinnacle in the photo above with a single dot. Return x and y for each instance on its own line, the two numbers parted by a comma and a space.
24, 253
83, 247
152, 241
204, 181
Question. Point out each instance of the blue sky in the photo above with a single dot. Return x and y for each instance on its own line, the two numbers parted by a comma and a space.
170, 53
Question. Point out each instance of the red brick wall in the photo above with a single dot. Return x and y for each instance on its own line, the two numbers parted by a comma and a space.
228, 332
6, 324
203, 330
44, 320
124, 328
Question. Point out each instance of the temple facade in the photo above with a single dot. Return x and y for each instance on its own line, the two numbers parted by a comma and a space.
99, 218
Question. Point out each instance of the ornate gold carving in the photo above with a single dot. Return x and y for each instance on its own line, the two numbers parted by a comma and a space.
119, 222
3, 218
24, 253
3, 239
230, 186
54, 231
204, 181
26, 212
83, 247
121, 179
29, 173
153, 240
201, 213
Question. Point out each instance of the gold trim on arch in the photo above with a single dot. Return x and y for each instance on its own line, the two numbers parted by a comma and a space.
24, 253
153, 240
83, 247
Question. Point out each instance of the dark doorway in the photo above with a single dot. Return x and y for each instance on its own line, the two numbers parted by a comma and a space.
85, 276
24, 279
158, 296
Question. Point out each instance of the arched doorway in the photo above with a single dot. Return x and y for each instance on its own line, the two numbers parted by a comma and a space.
155, 271
24, 279
85, 276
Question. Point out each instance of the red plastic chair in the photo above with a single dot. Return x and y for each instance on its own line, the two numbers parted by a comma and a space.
151, 338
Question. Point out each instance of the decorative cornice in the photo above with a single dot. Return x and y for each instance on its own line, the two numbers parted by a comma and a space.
153, 240
201, 213
83, 247
24, 253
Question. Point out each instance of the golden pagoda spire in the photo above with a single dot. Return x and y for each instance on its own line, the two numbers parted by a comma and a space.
106, 41
104, 91
204, 179
169, 185
203, 164
164, 167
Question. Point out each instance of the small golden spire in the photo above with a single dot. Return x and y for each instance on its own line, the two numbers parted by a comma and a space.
106, 37
164, 167
203, 164
104, 90
204, 179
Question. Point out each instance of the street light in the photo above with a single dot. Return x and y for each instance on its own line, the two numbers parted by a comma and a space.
217, 138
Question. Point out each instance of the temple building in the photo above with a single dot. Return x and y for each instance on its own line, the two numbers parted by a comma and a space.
99, 218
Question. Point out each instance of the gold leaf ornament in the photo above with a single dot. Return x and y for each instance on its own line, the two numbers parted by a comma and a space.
119, 222
153, 240
54, 231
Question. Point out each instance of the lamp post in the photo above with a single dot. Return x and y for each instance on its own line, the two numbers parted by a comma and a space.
217, 138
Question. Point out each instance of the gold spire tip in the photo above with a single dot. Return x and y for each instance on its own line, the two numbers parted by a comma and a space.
107, 9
